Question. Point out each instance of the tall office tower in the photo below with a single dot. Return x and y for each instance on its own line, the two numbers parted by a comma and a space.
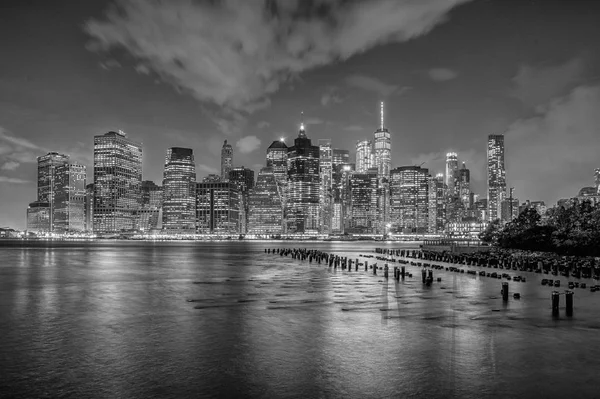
150, 213
509, 208
339, 160
340, 157
496, 175
38, 217
382, 145
265, 206
325, 185
217, 208
179, 199
437, 204
345, 195
365, 158
226, 160
481, 209
69, 198
363, 202
410, 198
244, 178
464, 186
302, 202
46, 177
117, 182
452, 174
89, 207
597, 178
277, 160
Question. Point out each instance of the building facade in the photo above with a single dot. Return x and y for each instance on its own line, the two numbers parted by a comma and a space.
244, 179
265, 205
325, 186
68, 213
226, 160
363, 202
179, 191
409, 186
365, 158
382, 145
150, 213
38, 217
117, 182
302, 202
217, 208
46, 178
496, 176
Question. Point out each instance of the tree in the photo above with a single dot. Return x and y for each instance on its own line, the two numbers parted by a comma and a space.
491, 233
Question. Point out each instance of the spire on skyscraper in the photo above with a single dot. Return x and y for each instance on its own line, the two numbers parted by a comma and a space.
382, 124
302, 132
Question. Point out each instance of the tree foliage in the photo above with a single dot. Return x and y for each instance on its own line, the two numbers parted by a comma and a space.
568, 231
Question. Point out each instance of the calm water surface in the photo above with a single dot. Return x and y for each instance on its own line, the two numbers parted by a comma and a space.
227, 320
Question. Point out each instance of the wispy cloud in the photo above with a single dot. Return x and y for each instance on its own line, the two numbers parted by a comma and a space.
331, 96
10, 165
17, 150
371, 84
248, 144
354, 128
537, 85
13, 180
236, 53
442, 74
110, 64
206, 169
263, 124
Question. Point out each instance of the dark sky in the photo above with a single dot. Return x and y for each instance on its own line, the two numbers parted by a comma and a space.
194, 73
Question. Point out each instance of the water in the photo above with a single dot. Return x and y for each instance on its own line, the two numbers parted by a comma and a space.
181, 320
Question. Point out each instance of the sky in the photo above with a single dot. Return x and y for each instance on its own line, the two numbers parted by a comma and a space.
192, 73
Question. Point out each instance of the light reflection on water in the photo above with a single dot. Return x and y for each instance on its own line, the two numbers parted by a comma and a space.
115, 321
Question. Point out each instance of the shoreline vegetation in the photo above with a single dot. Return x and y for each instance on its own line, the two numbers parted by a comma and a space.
572, 232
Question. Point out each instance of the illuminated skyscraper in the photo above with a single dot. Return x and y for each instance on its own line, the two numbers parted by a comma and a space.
464, 186
363, 202
340, 157
69, 198
217, 208
226, 160
409, 186
325, 185
437, 204
452, 174
277, 160
46, 178
179, 194
38, 217
117, 182
365, 159
89, 207
265, 210
302, 202
150, 213
382, 145
496, 175
244, 179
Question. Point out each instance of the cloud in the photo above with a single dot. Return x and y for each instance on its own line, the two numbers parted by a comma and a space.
206, 169
553, 154
442, 74
13, 180
248, 144
313, 121
331, 96
235, 53
263, 124
10, 165
142, 69
110, 64
354, 128
534, 86
371, 84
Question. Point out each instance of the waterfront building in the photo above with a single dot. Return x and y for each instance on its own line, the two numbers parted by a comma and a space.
226, 160
409, 186
466, 229
365, 158
150, 213
302, 202
277, 160
452, 174
340, 157
89, 207
38, 217
325, 185
244, 178
68, 213
46, 178
217, 208
363, 202
464, 187
117, 182
179, 196
481, 209
437, 204
265, 205
496, 175
509, 208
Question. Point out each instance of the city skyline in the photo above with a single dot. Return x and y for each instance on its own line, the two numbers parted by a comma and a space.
529, 95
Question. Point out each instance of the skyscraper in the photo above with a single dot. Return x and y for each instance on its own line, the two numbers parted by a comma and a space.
277, 160
365, 159
265, 209
340, 157
244, 179
226, 160
69, 198
302, 203
46, 177
179, 194
217, 208
452, 174
437, 204
363, 202
325, 185
496, 175
382, 145
150, 213
464, 186
409, 186
38, 217
117, 182
89, 207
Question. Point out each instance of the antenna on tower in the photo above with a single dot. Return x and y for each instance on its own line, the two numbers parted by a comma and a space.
302, 120
382, 125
